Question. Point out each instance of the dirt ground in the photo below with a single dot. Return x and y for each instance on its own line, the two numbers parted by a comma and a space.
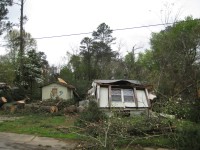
12, 141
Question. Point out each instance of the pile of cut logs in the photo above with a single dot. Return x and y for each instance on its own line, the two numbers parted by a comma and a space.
48, 106
11, 106
41, 108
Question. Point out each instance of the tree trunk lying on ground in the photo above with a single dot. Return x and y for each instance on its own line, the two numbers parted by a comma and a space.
9, 107
51, 109
70, 109
3, 100
73, 109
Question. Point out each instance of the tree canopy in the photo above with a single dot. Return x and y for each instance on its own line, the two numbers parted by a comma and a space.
35, 65
4, 23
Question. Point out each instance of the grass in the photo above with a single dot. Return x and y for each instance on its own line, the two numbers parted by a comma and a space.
48, 125
40, 125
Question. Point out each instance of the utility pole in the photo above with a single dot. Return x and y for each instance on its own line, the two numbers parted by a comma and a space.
21, 50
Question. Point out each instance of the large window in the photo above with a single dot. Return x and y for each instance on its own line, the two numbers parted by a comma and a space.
116, 95
128, 95
122, 95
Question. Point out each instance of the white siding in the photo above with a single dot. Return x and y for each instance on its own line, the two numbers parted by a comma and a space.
103, 97
142, 99
62, 92
129, 104
117, 104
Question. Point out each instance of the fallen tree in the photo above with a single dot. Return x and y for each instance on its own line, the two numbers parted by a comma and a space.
8, 107
40, 108
3, 100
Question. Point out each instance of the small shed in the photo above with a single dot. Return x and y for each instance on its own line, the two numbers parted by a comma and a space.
58, 90
126, 95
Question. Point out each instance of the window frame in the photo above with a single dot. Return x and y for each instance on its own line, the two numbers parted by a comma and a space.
132, 95
122, 96
116, 95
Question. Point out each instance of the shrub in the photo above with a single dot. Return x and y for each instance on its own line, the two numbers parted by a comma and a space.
187, 136
92, 114
65, 103
181, 108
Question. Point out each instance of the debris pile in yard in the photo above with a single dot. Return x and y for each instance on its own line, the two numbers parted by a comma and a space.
14, 99
61, 104
39, 108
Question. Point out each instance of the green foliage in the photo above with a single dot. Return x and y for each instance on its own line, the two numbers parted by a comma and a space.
66, 74
175, 52
173, 107
143, 68
39, 124
80, 84
7, 71
64, 103
187, 136
194, 113
4, 24
87, 53
95, 60
13, 44
103, 34
95, 54
91, 115
172, 66
82, 87
111, 133
128, 131
34, 68
181, 108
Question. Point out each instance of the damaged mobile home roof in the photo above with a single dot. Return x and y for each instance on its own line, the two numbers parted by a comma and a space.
113, 81
103, 82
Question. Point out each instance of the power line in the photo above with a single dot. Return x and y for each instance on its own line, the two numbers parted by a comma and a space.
121, 29
57, 36
145, 26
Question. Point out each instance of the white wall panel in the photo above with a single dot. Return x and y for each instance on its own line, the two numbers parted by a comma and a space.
103, 97
142, 99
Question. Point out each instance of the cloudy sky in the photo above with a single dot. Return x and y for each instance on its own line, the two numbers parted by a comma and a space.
48, 18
